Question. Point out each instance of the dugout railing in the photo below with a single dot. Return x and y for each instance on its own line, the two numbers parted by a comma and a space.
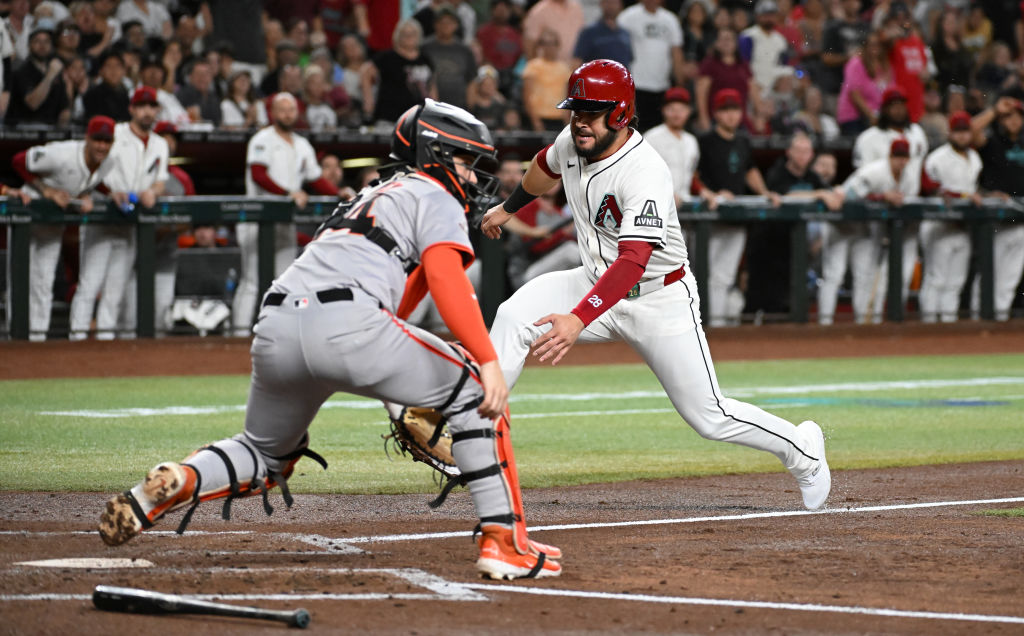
266, 211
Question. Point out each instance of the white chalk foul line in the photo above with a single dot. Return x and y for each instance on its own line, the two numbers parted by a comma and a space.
800, 607
654, 522
441, 589
741, 392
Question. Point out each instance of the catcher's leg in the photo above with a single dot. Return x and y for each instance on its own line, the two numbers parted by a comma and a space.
436, 374
282, 402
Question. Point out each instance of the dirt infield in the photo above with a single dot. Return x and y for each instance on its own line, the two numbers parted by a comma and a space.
898, 551
724, 558
191, 356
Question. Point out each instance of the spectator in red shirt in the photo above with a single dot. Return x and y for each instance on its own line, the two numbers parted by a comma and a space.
383, 20
908, 57
721, 69
500, 42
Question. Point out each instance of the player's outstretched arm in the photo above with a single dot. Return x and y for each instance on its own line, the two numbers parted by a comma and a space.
535, 183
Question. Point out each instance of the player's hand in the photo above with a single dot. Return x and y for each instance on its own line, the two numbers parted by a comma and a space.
774, 199
976, 199
495, 390
120, 199
1005, 105
147, 198
555, 343
55, 67
832, 199
58, 196
493, 220
300, 198
85, 205
893, 198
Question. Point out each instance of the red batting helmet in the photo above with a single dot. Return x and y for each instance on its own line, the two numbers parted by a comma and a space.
602, 85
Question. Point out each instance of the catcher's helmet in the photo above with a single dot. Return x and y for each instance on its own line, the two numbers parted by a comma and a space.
601, 85
431, 135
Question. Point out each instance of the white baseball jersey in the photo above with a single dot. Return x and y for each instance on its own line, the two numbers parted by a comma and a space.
138, 164
61, 165
954, 171
877, 178
652, 35
289, 165
874, 143
681, 153
625, 197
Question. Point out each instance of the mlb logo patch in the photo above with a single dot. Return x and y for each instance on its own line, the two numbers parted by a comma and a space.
301, 303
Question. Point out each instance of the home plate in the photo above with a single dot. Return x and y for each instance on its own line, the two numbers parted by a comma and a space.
90, 563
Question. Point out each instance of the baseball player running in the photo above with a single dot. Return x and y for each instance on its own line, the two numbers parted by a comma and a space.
332, 322
277, 162
952, 170
107, 259
635, 283
873, 144
890, 180
65, 172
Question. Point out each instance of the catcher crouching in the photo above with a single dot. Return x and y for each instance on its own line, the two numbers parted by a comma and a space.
334, 322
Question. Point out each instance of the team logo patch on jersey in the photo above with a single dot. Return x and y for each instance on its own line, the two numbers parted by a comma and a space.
609, 215
648, 217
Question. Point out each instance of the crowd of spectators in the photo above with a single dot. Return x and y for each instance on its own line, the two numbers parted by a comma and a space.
820, 66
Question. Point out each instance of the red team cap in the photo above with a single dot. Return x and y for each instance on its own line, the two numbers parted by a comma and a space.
893, 94
960, 120
676, 94
144, 95
165, 128
727, 98
899, 148
100, 127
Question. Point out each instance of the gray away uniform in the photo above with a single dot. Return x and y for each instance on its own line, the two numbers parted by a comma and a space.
328, 325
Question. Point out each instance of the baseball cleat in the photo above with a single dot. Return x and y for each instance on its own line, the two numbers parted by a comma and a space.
167, 486
499, 559
816, 485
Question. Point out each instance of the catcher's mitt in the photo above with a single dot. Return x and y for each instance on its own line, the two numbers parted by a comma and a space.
421, 433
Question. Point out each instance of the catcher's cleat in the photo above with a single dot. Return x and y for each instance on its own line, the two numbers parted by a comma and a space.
816, 485
167, 486
500, 560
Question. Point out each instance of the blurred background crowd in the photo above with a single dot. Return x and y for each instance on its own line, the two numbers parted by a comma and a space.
820, 66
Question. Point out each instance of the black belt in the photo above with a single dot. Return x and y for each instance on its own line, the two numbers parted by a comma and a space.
274, 299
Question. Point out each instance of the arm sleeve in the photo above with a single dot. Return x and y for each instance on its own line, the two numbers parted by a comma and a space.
543, 157
415, 290
617, 280
20, 165
322, 186
263, 180
456, 300
930, 183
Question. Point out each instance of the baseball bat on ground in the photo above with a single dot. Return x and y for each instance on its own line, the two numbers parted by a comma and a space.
127, 599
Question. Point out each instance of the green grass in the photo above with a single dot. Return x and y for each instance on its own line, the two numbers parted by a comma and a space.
1008, 512
885, 426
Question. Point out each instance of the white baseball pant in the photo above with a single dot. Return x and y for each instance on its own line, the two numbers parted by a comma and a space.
880, 290
247, 293
44, 252
1008, 254
947, 254
664, 327
107, 257
725, 251
842, 244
